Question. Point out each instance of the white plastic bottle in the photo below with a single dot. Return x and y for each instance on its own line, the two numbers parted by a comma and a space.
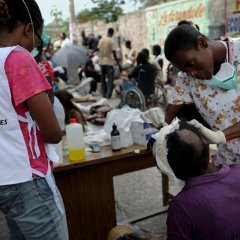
75, 141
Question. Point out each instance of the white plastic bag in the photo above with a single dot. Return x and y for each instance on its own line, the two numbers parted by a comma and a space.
123, 119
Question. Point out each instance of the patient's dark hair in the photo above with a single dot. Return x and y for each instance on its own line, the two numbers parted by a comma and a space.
181, 38
142, 58
189, 23
184, 22
184, 157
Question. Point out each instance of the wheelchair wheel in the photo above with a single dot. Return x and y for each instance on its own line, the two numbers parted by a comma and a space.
134, 99
158, 98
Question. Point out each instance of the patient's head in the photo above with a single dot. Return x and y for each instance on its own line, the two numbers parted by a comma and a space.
188, 156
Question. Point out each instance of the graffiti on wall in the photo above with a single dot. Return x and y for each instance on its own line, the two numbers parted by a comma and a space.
233, 24
236, 6
233, 18
162, 19
178, 15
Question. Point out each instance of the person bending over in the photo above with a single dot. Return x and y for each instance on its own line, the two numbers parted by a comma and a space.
209, 78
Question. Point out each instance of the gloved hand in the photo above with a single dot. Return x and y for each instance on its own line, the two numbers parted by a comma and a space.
209, 136
154, 117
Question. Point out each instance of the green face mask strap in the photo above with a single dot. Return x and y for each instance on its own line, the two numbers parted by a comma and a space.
45, 38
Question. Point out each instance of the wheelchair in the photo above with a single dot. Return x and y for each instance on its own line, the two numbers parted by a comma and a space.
133, 97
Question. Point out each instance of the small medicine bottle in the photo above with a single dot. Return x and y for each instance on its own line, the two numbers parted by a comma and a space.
115, 138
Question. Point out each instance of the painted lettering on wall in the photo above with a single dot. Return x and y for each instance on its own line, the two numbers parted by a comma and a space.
233, 24
236, 6
173, 15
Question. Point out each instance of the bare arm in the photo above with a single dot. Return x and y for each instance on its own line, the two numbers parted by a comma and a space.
232, 132
134, 73
42, 112
50, 92
160, 62
171, 112
115, 58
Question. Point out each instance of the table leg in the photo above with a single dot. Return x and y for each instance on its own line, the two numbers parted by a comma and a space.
88, 197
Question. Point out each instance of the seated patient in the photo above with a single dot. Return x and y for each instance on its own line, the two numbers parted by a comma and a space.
207, 208
144, 74
208, 205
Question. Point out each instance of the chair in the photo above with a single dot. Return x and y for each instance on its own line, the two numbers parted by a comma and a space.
134, 98
158, 98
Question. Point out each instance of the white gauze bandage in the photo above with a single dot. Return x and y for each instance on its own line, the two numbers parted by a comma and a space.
162, 151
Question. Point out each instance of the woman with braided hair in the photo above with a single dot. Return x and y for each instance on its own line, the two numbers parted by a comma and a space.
29, 198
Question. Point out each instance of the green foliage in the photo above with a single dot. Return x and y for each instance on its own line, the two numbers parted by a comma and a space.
148, 3
84, 16
57, 16
107, 10
59, 23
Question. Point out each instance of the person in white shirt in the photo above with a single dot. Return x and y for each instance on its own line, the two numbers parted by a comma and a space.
65, 40
131, 55
156, 50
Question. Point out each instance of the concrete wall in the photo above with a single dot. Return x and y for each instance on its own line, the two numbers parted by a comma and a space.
133, 27
151, 25
129, 27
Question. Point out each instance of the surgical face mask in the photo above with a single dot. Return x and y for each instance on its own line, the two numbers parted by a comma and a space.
44, 37
226, 78
35, 52
40, 44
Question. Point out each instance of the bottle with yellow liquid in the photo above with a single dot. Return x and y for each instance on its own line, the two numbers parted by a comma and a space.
75, 141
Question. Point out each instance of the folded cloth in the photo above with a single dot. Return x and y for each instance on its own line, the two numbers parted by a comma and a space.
99, 137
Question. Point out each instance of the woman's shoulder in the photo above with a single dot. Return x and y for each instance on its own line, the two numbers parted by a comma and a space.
20, 57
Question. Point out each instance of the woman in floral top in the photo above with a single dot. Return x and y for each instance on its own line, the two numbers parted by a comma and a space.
199, 59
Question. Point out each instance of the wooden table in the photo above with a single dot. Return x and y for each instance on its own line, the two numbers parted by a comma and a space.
88, 192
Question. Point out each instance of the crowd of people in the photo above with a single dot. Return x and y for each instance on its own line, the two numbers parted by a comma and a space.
36, 107
107, 62
104, 64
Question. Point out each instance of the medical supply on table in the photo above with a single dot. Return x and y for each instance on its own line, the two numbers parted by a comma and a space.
115, 138
95, 147
141, 131
75, 141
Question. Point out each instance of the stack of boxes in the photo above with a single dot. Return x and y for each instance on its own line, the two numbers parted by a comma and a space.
141, 132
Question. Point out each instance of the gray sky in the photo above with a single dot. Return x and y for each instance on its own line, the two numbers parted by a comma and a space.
63, 5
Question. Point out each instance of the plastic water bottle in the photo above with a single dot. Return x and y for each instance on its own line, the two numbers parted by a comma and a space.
75, 141
115, 138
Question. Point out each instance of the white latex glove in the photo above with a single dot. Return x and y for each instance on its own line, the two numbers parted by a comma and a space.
209, 136
154, 117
